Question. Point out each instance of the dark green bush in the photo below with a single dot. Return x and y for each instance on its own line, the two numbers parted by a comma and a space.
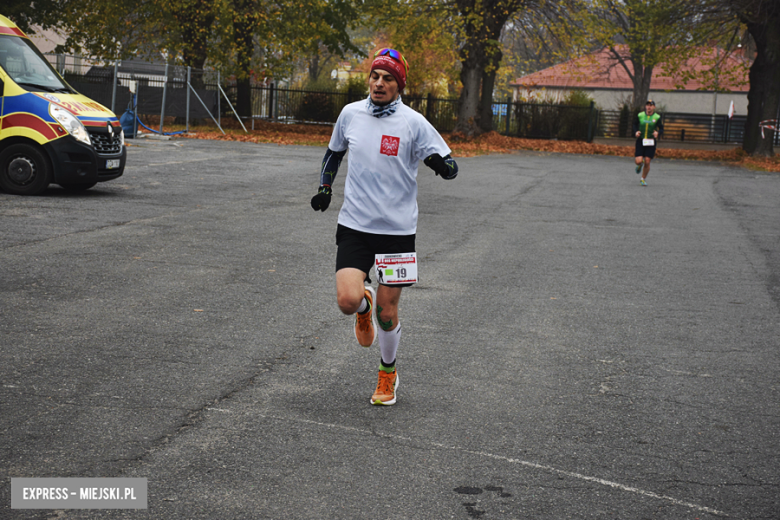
573, 120
355, 88
316, 106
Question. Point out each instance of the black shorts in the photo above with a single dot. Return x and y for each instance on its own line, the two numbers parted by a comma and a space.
644, 151
357, 249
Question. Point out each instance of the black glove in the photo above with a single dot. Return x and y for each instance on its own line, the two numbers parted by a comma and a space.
321, 200
440, 167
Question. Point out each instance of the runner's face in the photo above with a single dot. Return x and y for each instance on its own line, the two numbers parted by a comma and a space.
382, 86
649, 109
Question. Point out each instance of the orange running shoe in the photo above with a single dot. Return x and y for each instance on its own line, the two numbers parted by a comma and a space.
366, 329
385, 388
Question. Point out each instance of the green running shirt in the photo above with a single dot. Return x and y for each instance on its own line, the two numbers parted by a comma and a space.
647, 124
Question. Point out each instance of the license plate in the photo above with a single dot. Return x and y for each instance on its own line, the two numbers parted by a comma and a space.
112, 163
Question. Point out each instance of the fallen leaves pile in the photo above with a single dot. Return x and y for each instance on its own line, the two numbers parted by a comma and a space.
496, 143
319, 135
265, 132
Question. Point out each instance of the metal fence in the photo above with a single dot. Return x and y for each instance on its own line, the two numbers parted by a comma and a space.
152, 89
185, 93
682, 127
309, 106
294, 105
544, 121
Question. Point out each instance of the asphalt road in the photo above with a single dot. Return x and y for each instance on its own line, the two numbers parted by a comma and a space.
578, 346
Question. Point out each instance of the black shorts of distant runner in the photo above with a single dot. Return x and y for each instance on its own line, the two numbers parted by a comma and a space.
644, 151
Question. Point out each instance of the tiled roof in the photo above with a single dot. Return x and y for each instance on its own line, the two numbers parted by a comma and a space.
601, 70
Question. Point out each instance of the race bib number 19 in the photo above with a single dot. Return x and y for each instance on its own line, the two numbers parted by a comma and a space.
393, 269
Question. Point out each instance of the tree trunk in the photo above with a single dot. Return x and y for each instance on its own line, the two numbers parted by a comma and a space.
242, 33
244, 97
488, 82
642, 79
482, 29
471, 78
196, 20
764, 93
485, 119
314, 67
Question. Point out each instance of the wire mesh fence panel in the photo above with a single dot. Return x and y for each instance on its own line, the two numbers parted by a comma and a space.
203, 92
188, 93
91, 77
103, 93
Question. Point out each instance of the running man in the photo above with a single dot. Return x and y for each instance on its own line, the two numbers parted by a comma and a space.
386, 140
647, 129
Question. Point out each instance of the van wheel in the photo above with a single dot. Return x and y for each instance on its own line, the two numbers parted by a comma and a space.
77, 187
24, 170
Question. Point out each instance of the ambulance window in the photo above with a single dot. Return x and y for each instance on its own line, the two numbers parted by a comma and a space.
27, 66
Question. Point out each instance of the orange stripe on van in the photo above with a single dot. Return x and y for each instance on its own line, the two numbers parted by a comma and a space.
30, 121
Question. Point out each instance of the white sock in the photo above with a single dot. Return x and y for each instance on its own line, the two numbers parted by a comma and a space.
388, 343
363, 306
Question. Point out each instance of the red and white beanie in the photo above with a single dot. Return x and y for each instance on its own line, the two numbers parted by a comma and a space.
395, 67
